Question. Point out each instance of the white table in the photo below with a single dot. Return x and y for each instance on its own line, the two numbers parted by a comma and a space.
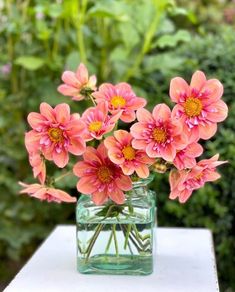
185, 262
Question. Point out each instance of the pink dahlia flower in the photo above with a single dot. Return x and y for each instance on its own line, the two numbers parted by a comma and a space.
199, 105
158, 134
184, 182
43, 193
37, 162
120, 97
98, 122
185, 158
76, 82
55, 133
121, 152
100, 177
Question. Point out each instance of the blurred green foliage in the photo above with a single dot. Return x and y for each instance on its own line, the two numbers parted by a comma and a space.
146, 44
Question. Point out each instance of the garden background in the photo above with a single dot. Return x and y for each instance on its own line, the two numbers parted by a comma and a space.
144, 42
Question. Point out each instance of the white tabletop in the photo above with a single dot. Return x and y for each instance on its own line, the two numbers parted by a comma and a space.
185, 263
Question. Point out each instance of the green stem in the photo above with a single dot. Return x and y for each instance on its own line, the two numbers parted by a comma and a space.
63, 175
146, 45
115, 239
79, 26
109, 242
127, 235
93, 240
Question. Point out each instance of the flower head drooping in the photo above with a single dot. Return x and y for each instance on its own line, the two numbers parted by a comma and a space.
121, 152
55, 133
78, 83
98, 122
37, 162
158, 134
100, 177
45, 193
199, 105
120, 97
185, 158
184, 182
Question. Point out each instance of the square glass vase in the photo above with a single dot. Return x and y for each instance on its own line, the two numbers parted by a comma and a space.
117, 239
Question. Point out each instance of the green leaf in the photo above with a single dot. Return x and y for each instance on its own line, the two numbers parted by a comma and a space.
30, 62
172, 40
72, 60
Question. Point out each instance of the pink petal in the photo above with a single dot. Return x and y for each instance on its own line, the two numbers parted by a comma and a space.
30, 188
92, 82
70, 78
161, 112
168, 153
139, 102
124, 182
142, 171
178, 87
212, 176
36, 121
82, 74
150, 152
116, 156
123, 137
99, 198
127, 169
32, 139
139, 144
110, 142
68, 90
215, 90
128, 116
61, 159
194, 150
90, 155
77, 146
185, 195
85, 186
61, 195
198, 80
144, 116
80, 168
62, 112
137, 130
117, 196
217, 112
207, 131
47, 111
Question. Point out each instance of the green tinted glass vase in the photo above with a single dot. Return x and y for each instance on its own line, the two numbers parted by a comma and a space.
117, 239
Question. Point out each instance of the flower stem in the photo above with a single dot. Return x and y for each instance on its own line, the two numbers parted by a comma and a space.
115, 239
93, 240
109, 242
127, 235
62, 176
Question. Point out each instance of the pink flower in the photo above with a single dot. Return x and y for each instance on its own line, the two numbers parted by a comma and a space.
185, 158
37, 162
98, 122
123, 154
184, 182
199, 105
43, 193
120, 97
55, 133
75, 83
158, 133
100, 177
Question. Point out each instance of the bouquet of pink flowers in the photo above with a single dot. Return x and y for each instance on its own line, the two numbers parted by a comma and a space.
109, 158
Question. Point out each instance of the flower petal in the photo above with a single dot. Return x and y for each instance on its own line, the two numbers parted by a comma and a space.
85, 186
198, 80
62, 112
161, 112
178, 88
61, 159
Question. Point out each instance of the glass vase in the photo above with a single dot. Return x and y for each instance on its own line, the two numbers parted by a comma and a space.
117, 239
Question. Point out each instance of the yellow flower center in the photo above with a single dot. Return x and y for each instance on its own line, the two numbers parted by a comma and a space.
128, 152
104, 174
199, 176
55, 135
118, 101
95, 126
159, 135
192, 107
